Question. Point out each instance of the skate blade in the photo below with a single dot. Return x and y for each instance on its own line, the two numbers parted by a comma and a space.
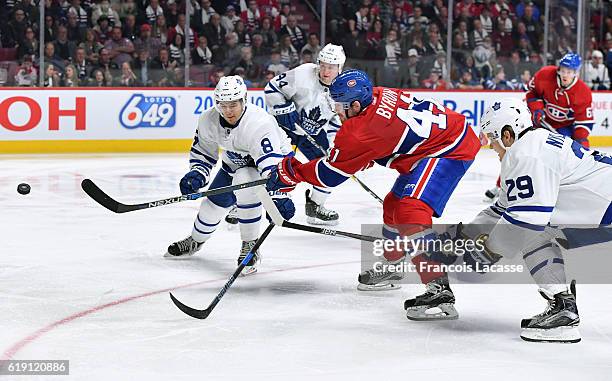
316, 221
167, 255
378, 287
444, 311
248, 270
565, 335
177, 257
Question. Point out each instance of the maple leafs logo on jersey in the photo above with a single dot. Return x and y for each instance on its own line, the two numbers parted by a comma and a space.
496, 106
311, 122
238, 159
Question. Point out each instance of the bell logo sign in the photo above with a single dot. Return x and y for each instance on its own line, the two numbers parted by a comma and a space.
78, 113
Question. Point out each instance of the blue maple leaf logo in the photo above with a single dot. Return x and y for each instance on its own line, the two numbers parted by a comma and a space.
311, 122
496, 106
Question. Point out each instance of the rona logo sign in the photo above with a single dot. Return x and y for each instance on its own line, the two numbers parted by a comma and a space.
148, 111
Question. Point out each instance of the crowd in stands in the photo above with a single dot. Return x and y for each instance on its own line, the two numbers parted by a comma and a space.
496, 44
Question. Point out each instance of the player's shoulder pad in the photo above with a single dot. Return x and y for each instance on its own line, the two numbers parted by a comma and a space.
528, 147
305, 73
548, 71
583, 92
209, 116
257, 117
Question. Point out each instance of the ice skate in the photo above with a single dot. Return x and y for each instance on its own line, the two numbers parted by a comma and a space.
558, 323
184, 248
318, 214
251, 266
372, 280
437, 303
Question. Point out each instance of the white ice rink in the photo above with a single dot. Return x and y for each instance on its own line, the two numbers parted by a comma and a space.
78, 282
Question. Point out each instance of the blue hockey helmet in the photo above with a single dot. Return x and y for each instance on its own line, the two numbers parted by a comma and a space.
571, 61
349, 86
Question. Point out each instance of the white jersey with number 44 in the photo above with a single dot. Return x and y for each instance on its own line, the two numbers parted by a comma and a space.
312, 100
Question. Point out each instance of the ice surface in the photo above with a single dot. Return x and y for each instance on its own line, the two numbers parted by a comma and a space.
69, 267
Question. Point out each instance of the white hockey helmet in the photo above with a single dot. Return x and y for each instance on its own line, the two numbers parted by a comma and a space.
332, 54
230, 88
511, 112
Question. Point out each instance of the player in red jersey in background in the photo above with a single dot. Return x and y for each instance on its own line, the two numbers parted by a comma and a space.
560, 101
429, 145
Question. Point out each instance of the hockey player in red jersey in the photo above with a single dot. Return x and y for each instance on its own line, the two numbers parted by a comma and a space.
560, 101
429, 145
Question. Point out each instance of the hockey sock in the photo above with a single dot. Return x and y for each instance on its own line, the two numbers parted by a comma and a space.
319, 195
207, 220
412, 218
546, 265
249, 206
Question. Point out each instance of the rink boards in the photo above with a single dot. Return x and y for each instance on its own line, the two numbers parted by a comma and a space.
164, 120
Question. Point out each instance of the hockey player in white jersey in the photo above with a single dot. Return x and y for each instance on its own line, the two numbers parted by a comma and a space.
301, 97
252, 145
547, 181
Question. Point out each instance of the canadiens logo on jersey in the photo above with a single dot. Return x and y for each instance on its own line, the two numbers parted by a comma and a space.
312, 121
558, 113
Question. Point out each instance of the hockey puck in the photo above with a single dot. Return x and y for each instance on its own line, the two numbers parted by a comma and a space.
23, 188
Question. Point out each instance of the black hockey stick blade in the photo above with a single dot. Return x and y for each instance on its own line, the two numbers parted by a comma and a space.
198, 314
203, 314
115, 206
101, 198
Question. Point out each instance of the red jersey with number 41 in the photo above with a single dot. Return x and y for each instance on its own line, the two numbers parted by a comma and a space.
396, 130
564, 107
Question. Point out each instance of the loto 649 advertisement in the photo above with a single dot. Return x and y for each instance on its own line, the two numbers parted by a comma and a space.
157, 120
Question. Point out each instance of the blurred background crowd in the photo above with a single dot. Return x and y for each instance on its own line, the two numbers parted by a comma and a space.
476, 44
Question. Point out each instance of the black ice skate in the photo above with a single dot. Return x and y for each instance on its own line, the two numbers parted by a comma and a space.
251, 266
558, 323
232, 216
184, 248
372, 280
437, 303
318, 214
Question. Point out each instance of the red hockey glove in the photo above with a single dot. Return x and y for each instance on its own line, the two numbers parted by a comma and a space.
283, 177
581, 135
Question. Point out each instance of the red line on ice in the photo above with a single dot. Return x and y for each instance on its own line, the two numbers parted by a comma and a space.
19, 345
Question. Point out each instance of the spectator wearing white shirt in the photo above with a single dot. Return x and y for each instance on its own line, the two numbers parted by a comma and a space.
596, 73
153, 11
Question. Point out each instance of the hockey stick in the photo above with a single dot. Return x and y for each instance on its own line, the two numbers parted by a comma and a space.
115, 206
278, 220
203, 314
361, 183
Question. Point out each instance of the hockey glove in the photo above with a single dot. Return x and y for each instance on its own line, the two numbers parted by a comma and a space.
284, 204
538, 117
193, 181
286, 115
480, 258
581, 135
282, 178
